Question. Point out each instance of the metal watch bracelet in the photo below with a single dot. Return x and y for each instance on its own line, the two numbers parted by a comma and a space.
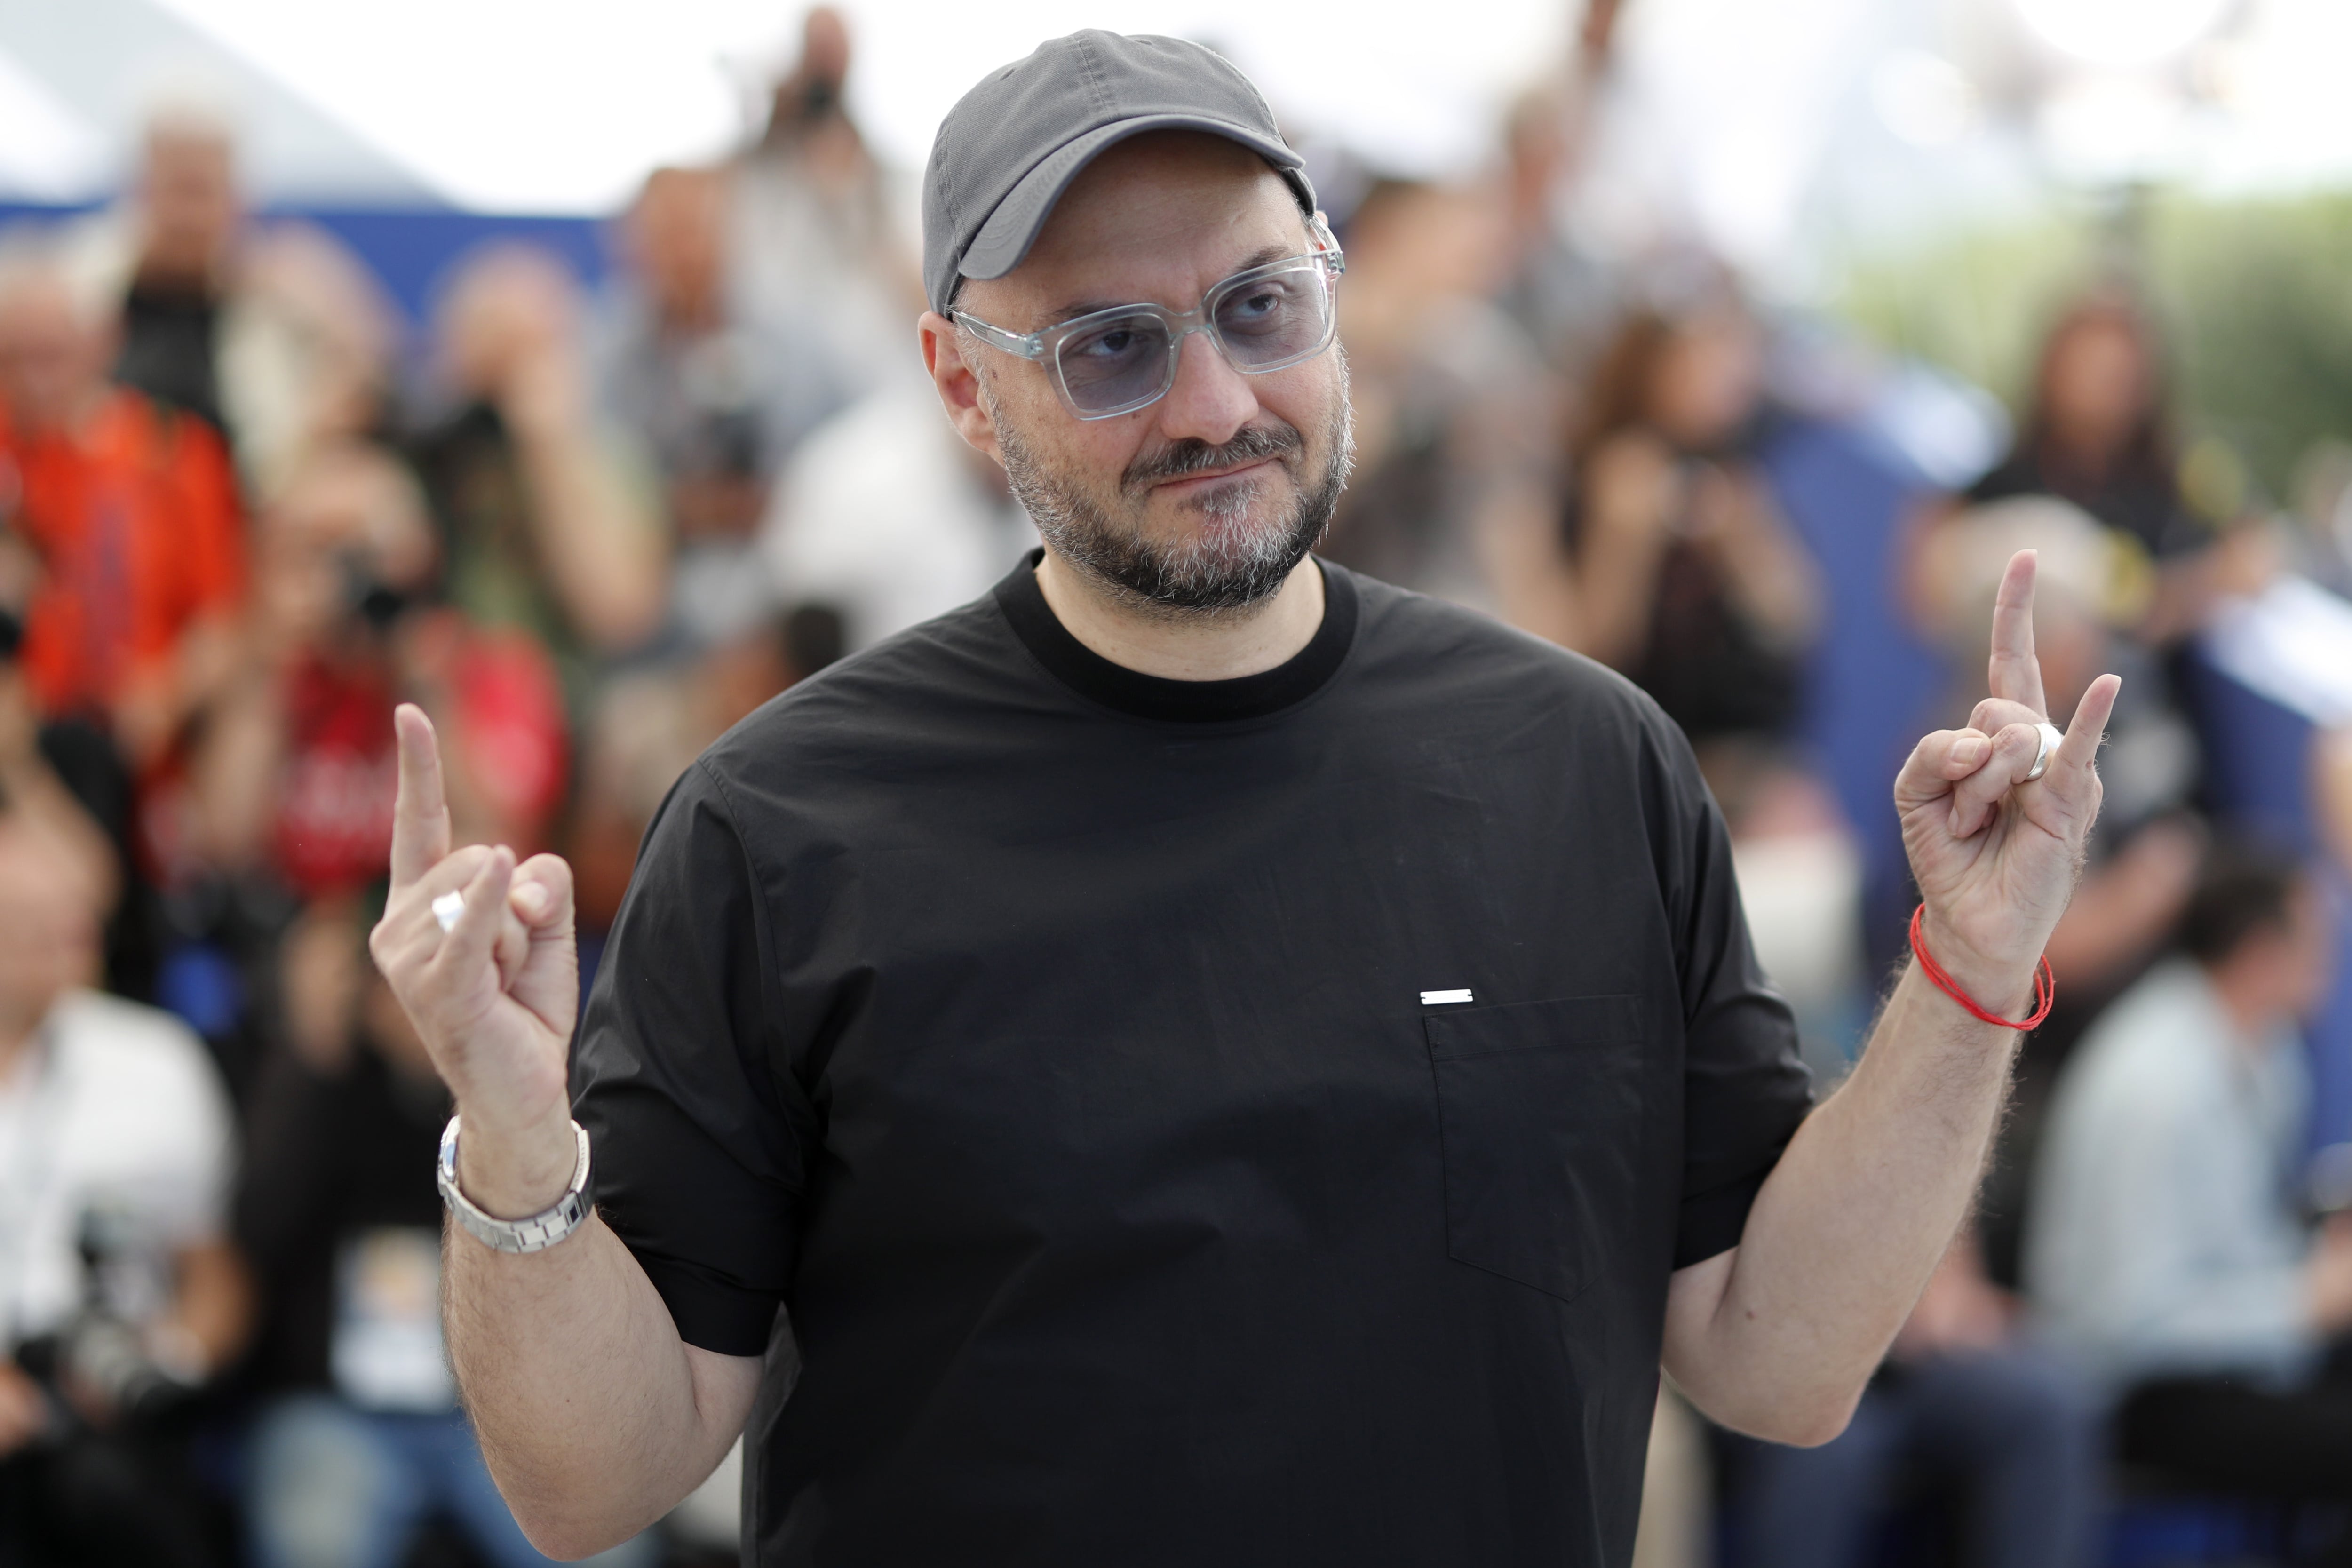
536, 1234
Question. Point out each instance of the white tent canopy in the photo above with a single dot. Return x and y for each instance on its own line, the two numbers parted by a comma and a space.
1753, 125
77, 81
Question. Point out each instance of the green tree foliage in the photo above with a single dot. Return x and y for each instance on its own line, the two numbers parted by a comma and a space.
2258, 297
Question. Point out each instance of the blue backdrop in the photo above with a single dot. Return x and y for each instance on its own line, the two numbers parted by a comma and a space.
410, 248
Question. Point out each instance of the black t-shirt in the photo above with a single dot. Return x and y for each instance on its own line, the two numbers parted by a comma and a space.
1067, 1051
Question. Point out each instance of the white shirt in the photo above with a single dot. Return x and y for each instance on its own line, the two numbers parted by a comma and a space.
883, 515
114, 1114
2163, 1237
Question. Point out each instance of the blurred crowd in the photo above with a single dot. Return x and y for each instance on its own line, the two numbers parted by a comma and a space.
246, 507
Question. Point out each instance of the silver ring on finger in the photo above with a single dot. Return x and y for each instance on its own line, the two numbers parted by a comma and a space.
452, 904
2051, 738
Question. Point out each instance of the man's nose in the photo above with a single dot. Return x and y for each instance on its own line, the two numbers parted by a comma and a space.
1211, 400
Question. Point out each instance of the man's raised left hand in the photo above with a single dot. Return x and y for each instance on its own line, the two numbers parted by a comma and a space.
1996, 857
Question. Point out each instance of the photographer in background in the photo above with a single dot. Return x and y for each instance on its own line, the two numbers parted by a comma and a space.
543, 529
814, 218
1675, 566
2100, 433
118, 1296
188, 220
718, 395
2167, 1246
294, 780
283, 798
359, 1436
127, 511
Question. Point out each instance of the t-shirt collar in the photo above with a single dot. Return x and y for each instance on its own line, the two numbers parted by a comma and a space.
1129, 691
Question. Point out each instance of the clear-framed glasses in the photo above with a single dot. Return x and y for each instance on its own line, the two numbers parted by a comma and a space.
1113, 361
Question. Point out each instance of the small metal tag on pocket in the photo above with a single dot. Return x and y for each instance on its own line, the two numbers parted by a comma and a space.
1441, 998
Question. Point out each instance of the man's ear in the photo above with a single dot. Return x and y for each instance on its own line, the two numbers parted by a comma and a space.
956, 383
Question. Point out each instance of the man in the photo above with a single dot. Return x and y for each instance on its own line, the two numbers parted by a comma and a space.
543, 528
119, 1292
2166, 1245
291, 771
129, 510
816, 219
718, 395
189, 219
1222, 1060
267, 329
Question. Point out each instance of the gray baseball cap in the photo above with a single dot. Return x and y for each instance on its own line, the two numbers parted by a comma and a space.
1012, 145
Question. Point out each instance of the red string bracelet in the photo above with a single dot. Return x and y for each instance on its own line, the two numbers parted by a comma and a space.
2045, 984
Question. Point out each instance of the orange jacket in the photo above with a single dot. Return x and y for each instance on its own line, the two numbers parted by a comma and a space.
136, 523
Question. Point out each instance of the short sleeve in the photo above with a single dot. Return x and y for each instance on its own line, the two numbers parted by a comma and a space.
696, 1126
1745, 1089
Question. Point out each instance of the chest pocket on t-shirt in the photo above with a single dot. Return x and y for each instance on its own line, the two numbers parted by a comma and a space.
1539, 1110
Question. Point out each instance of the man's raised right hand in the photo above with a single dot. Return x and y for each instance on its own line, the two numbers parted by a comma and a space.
494, 997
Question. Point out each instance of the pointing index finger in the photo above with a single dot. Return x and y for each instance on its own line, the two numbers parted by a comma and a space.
2014, 673
420, 815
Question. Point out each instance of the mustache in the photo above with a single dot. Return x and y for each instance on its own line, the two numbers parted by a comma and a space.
1254, 444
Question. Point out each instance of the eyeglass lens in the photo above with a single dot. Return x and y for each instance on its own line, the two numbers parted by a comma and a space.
1129, 359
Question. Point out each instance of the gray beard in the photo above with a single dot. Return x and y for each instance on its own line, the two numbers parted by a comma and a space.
1230, 570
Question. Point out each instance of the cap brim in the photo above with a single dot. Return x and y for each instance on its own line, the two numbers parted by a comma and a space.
1012, 228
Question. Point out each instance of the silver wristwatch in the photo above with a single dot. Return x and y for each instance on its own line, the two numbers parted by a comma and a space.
541, 1230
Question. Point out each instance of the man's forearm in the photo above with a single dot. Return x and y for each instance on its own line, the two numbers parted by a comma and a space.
595, 1417
1849, 1227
